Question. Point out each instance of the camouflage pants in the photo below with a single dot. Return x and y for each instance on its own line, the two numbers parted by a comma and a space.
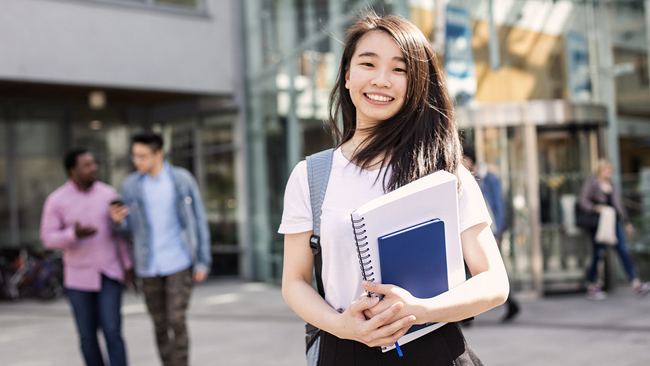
167, 299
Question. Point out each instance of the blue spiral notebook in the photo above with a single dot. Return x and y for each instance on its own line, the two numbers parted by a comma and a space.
415, 259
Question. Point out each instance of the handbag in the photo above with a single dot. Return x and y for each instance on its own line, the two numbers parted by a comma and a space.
586, 219
606, 231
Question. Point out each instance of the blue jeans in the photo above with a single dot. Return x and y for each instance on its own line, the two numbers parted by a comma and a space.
100, 309
621, 249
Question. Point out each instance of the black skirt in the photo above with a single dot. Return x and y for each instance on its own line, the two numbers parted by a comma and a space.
442, 347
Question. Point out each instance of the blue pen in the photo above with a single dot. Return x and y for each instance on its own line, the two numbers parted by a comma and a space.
399, 350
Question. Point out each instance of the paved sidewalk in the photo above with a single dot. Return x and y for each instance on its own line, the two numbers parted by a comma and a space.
237, 323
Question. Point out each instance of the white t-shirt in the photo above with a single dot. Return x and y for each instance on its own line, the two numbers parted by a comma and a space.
350, 187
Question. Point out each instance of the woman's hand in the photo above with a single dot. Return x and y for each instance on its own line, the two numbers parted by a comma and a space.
629, 229
309, 305
380, 330
392, 295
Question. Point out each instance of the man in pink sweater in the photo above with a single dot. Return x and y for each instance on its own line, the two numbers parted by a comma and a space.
96, 260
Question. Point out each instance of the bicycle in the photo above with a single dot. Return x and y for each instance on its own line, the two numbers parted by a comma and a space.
31, 275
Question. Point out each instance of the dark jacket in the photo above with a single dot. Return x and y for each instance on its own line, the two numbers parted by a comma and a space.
592, 195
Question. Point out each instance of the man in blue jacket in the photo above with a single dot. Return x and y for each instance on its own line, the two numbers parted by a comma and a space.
163, 215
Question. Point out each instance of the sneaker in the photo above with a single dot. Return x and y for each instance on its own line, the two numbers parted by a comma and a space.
594, 293
642, 290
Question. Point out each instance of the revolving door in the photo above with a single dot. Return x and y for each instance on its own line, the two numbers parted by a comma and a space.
542, 152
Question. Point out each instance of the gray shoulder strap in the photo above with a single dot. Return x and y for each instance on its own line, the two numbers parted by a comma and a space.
318, 174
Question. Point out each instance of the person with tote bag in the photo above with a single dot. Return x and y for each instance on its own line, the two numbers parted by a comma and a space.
601, 196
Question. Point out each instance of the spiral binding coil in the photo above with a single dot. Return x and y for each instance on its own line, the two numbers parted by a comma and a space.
362, 251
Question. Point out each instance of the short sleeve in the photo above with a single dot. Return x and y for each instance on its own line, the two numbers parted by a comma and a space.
471, 204
296, 215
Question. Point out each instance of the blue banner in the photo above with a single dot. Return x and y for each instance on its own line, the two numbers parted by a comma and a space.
459, 57
578, 75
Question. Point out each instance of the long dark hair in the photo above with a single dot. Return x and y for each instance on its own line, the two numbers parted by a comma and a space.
422, 136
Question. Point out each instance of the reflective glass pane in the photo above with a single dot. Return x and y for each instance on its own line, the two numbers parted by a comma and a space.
179, 144
217, 138
565, 248
40, 144
38, 136
3, 134
218, 130
220, 199
4, 185
104, 134
36, 179
5, 235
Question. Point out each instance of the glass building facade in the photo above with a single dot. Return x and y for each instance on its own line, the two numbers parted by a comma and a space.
292, 51
35, 136
538, 114
164, 66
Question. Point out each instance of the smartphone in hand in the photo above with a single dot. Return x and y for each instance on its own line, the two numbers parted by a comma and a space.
117, 210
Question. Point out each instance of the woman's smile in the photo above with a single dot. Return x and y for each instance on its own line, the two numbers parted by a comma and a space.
378, 98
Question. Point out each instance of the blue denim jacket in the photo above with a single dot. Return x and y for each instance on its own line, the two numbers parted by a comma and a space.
189, 206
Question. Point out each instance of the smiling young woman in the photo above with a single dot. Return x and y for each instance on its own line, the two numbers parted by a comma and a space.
406, 69
398, 126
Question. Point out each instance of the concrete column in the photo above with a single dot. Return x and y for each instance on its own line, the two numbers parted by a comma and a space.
312, 31
337, 38
532, 200
495, 59
287, 40
258, 183
606, 58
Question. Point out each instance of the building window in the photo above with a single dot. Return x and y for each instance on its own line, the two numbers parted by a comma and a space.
187, 4
206, 146
172, 5
5, 218
642, 67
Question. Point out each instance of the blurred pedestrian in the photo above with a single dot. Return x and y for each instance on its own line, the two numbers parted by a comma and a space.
491, 189
96, 260
600, 195
162, 212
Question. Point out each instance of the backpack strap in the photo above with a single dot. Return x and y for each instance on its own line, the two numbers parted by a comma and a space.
319, 166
